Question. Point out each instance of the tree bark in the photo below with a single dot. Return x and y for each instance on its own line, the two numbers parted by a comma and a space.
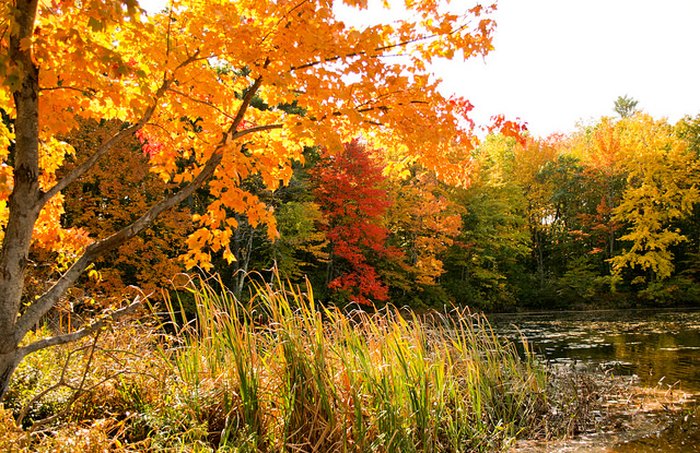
8, 365
23, 201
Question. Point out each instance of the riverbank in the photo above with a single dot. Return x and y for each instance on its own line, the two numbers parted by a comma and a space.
647, 420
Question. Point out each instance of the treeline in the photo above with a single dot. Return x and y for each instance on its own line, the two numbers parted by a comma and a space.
606, 216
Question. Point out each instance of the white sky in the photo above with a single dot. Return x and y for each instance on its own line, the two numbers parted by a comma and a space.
559, 62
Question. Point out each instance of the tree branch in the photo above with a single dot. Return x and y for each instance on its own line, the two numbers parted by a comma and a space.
42, 305
80, 170
86, 91
200, 101
61, 382
83, 168
254, 129
247, 99
379, 50
82, 333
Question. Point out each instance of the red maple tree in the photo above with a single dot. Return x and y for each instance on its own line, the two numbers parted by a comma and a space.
353, 199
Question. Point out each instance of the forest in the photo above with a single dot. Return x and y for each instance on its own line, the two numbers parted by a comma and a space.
603, 217
247, 226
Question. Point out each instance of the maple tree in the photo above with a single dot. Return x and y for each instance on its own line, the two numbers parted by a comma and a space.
603, 160
113, 194
662, 178
186, 79
353, 202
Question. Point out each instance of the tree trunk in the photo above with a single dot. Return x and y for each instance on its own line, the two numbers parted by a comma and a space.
245, 252
8, 364
23, 201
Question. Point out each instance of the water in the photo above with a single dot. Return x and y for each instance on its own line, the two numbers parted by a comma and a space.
656, 348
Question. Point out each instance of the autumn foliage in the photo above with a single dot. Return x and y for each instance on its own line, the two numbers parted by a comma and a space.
218, 92
113, 194
353, 198
134, 145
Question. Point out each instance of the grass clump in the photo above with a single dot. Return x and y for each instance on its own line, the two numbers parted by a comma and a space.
282, 373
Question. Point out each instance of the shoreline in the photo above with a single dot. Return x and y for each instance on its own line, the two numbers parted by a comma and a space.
642, 423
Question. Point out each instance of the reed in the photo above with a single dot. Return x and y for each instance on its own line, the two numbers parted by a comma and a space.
283, 373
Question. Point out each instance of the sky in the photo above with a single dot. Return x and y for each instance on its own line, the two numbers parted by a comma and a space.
558, 63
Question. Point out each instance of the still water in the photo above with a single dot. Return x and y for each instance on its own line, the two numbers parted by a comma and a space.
656, 348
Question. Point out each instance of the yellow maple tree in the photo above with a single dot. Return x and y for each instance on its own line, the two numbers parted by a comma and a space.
424, 223
662, 187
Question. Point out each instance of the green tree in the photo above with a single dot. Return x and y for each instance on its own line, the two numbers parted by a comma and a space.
626, 106
483, 263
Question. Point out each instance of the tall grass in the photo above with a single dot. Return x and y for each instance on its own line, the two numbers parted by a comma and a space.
283, 373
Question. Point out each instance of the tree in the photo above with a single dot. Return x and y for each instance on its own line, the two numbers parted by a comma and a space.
486, 256
185, 80
662, 187
113, 194
687, 256
626, 106
302, 243
353, 200
604, 171
423, 223
302, 248
541, 214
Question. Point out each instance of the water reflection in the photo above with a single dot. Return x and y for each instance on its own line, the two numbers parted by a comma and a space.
658, 346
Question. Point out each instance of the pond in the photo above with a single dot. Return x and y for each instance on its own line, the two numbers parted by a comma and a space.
656, 348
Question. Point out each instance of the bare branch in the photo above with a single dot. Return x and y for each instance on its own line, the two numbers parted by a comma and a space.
247, 99
203, 102
254, 129
329, 59
61, 381
82, 333
86, 91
